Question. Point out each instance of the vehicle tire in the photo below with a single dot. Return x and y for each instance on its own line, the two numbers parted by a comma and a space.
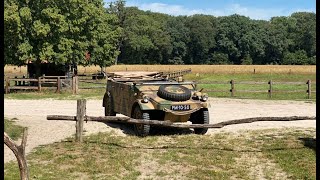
108, 109
141, 129
200, 117
174, 92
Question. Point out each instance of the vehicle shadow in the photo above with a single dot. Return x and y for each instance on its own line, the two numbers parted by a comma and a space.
309, 143
159, 131
126, 128
154, 130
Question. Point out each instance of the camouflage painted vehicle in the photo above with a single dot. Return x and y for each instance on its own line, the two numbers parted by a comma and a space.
152, 96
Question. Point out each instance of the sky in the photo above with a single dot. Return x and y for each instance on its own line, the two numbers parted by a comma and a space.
254, 9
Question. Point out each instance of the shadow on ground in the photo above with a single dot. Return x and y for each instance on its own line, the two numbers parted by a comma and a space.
154, 131
309, 143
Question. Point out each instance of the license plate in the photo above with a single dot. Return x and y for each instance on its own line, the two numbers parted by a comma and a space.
180, 107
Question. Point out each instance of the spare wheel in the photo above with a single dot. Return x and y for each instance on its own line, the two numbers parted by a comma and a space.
174, 92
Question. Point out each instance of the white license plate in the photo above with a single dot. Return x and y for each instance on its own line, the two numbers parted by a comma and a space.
180, 107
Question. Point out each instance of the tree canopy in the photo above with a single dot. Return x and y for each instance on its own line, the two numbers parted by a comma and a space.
60, 32
86, 32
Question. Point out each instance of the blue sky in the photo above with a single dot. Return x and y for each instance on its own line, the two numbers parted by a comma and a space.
255, 9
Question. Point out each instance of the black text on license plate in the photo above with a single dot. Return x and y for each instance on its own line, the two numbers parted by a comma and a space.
180, 107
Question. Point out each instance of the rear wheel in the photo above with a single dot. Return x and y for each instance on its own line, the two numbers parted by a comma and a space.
200, 117
141, 129
108, 109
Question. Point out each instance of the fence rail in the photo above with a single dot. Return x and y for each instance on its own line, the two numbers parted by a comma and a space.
81, 117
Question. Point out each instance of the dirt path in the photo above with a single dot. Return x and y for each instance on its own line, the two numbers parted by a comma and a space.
32, 114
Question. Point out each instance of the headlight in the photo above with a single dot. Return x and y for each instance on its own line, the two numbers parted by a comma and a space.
196, 96
204, 97
145, 99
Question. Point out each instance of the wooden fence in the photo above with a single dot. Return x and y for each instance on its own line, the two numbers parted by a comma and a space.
20, 83
43, 82
81, 117
270, 90
176, 74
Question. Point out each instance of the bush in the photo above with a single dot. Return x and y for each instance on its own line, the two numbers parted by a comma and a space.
247, 60
219, 58
297, 58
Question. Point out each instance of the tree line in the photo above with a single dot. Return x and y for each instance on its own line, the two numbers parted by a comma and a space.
86, 32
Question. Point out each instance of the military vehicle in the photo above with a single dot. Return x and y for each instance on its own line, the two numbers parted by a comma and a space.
155, 96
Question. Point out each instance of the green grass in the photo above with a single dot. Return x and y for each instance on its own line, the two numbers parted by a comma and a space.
14, 131
64, 95
295, 153
252, 77
222, 83
217, 156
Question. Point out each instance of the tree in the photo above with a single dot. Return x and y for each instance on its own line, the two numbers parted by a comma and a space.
179, 38
202, 38
279, 39
118, 8
246, 60
219, 58
60, 32
238, 36
146, 40
304, 32
12, 24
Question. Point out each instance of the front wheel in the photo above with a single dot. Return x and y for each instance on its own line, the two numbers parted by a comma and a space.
141, 129
200, 117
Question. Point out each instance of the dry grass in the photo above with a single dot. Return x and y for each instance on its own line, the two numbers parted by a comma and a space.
216, 69
210, 69
15, 70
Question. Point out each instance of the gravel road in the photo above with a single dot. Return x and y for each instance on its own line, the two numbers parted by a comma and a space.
32, 114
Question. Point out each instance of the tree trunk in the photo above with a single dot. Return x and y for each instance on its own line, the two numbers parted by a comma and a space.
37, 66
19, 152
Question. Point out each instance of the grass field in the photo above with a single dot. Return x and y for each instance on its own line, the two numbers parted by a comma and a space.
216, 74
260, 154
214, 80
279, 84
14, 131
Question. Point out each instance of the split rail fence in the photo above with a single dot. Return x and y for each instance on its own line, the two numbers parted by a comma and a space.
41, 83
81, 117
270, 91
82, 82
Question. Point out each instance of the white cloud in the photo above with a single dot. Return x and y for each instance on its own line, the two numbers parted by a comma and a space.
253, 13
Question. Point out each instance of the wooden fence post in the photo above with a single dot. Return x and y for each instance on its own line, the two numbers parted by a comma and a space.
75, 83
23, 83
39, 84
58, 85
7, 85
232, 88
309, 88
270, 89
81, 112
